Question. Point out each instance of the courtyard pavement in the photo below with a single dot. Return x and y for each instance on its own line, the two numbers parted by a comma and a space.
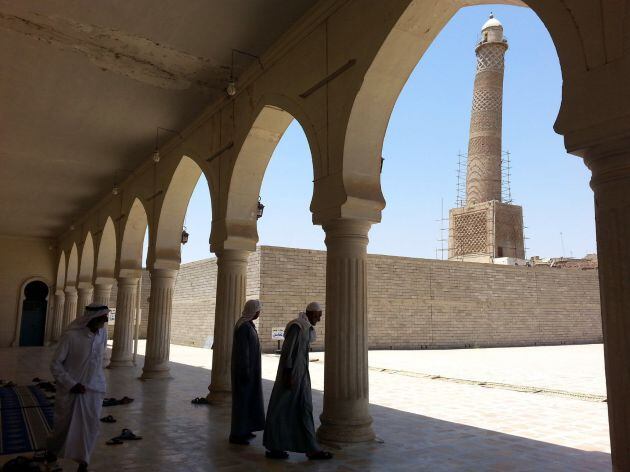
454, 410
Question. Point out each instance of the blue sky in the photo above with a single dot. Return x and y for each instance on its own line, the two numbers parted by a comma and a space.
428, 127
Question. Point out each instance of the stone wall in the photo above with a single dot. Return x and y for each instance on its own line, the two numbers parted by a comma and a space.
413, 303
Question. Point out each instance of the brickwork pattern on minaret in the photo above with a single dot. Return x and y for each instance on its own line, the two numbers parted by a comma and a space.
483, 178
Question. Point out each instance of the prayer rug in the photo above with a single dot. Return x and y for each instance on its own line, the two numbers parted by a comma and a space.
26, 419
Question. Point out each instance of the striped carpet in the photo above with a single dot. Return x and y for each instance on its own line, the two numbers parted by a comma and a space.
26, 419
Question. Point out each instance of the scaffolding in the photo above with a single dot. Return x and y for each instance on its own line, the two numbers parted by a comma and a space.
506, 179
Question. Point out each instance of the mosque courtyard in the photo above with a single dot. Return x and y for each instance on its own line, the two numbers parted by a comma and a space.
508, 409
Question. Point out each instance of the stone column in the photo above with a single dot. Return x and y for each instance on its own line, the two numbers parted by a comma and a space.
122, 349
70, 307
346, 416
57, 321
156, 363
102, 292
610, 183
84, 299
230, 298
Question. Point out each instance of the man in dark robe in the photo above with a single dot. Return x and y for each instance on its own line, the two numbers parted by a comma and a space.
290, 424
248, 410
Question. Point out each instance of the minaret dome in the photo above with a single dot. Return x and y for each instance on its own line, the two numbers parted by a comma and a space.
492, 31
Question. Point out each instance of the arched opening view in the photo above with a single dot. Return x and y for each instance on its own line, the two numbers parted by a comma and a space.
446, 179
34, 309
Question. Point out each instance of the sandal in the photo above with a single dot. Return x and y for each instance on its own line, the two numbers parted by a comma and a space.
319, 456
114, 442
127, 435
108, 419
276, 455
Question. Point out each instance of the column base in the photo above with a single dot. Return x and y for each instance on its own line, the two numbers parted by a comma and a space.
113, 364
156, 374
347, 432
219, 397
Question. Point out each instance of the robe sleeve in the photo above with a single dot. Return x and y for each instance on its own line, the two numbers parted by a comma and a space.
290, 346
57, 368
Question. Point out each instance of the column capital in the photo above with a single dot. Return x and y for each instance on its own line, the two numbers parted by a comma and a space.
163, 273
608, 162
127, 280
70, 291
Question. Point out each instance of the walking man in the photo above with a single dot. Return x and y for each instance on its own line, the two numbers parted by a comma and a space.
248, 409
290, 424
77, 367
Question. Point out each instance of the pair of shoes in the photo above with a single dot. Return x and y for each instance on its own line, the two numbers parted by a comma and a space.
239, 440
276, 455
199, 401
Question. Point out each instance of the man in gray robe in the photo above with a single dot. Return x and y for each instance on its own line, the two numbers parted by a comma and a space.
248, 409
290, 424
77, 366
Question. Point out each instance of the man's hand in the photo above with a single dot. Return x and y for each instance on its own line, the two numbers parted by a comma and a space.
78, 388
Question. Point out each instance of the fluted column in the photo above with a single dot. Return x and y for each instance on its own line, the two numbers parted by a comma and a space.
102, 292
156, 363
70, 307
122, 349
57, 321
84, 299
230, 298
346, 416
610, 183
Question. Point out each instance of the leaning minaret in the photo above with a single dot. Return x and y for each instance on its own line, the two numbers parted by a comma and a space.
483, 177
486, 229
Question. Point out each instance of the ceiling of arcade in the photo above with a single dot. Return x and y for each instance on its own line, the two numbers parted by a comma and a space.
84, 85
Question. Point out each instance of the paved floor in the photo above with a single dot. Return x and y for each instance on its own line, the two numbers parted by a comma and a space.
425, 424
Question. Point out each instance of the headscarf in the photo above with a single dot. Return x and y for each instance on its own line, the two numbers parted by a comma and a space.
249, 312
313, 306
93, 310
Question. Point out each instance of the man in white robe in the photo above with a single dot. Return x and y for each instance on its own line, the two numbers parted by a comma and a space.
77, 366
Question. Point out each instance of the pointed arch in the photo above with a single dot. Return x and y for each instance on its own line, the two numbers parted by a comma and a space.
251, 163
106, 256
73, 266
61, 271
133, 237
86, 268
173, 211
416, 25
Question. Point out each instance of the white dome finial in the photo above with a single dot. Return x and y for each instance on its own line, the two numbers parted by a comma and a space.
491, 23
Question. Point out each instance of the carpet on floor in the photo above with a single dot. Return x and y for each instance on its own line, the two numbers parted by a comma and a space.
26, 419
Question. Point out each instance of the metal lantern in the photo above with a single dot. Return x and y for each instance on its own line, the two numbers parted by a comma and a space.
184, 236
259, 210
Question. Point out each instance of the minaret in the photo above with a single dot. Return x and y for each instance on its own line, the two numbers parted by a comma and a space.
483, 177
486, 229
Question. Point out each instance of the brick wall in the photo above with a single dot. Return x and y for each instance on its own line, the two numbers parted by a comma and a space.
420, 303
413, 303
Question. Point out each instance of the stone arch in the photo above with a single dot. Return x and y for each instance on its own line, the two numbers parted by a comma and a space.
415, 27
271, 121
106, 255
133, 238
61, 272
86, 267
73, 267
173, 210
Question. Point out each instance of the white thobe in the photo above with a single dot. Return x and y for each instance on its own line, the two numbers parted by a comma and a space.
78, 359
